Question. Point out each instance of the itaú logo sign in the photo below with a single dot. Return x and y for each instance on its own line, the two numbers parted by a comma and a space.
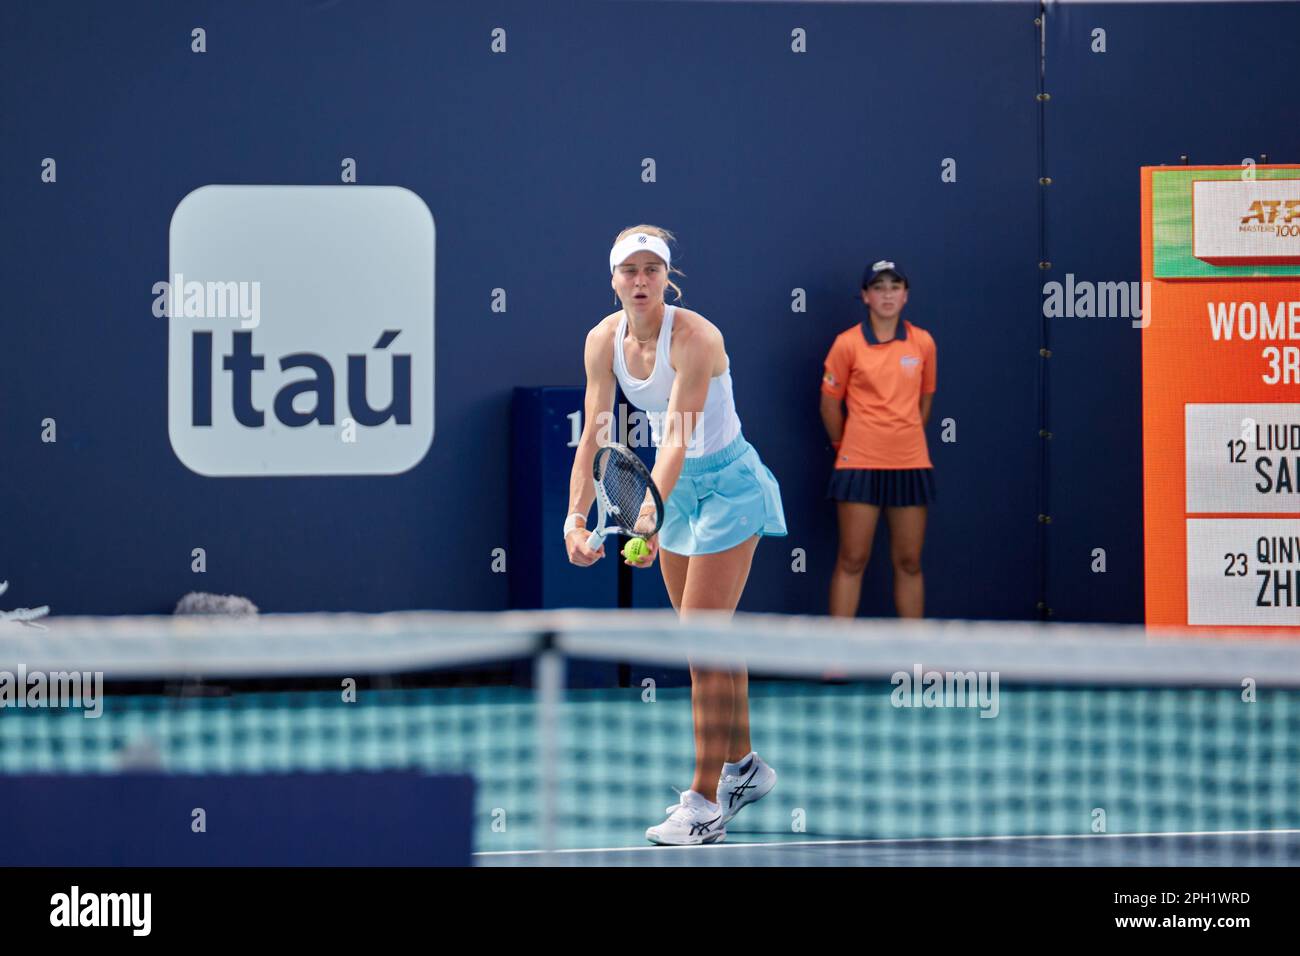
300, 330
1250, 222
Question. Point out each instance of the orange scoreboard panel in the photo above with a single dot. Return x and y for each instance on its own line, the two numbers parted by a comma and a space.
1221, 395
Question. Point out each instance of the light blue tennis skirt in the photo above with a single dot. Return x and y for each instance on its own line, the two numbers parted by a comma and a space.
720, 500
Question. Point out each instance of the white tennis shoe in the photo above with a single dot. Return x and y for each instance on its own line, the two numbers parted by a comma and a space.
692, 821
751, 781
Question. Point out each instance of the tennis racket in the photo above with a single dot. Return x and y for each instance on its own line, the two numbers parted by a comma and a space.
623, 488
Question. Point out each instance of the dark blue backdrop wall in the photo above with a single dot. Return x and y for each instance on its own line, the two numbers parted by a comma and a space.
779, 170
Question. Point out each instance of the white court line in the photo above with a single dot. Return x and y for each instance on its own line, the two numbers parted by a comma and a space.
893, 840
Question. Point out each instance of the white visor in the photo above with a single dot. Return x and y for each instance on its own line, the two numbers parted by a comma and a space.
638, 242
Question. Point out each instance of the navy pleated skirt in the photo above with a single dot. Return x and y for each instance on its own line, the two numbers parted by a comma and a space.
883, 487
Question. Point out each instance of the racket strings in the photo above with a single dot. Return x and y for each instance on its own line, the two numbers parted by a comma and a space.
626, 489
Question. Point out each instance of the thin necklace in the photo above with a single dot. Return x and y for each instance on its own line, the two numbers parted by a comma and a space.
634, 338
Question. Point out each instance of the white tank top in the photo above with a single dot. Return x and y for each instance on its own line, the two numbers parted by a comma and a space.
718, 423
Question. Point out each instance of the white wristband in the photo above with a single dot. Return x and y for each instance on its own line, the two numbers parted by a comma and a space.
571, 522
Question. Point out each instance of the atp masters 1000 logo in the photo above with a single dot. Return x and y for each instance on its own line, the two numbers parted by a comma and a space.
1263, 216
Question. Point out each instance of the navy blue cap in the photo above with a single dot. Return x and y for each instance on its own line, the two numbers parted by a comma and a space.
880, 268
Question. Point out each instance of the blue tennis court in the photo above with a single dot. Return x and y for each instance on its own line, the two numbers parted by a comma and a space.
1259, 848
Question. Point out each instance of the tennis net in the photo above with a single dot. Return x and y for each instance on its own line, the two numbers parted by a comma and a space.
894, 742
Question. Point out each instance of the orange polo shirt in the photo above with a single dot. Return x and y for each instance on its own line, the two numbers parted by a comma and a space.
883, 383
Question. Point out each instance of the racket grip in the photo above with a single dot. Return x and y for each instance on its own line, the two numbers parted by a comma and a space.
595, 540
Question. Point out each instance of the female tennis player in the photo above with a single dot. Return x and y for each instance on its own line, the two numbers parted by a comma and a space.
885, 369
719, 498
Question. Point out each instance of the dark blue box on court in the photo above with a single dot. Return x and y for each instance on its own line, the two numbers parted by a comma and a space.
545, 425
303, 819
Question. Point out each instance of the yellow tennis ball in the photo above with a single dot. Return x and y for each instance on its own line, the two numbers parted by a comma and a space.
636, 549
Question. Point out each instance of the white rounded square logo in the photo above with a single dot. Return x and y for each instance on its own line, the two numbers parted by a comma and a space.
300, 330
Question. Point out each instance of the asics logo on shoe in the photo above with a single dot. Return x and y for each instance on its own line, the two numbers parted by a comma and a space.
738, 793
698, 828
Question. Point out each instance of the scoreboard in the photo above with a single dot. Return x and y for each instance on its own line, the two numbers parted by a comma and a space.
1221, 395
